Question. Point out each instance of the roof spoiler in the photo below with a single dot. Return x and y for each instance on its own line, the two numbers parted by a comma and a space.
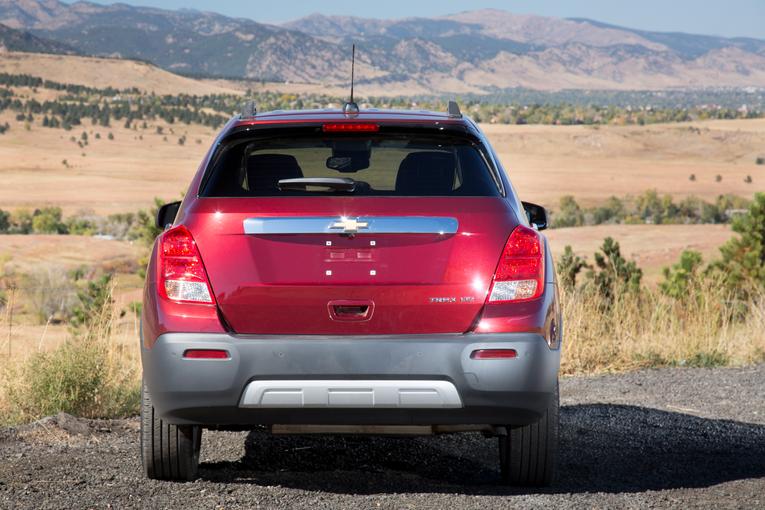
454, 110
248, 110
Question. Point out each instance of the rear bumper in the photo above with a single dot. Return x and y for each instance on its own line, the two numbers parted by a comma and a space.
219, 392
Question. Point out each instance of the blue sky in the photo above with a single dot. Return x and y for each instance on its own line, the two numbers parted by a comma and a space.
714, 17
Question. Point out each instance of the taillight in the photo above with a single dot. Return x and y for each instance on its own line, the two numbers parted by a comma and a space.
182, 276
349, 127
521, 269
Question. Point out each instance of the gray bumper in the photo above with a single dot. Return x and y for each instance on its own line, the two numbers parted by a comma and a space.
211, 392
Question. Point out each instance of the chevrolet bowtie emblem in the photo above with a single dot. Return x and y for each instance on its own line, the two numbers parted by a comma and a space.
350, 225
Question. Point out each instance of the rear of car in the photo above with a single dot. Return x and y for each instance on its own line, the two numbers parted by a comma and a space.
348, 274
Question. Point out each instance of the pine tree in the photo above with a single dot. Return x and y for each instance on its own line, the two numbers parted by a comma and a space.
743, 257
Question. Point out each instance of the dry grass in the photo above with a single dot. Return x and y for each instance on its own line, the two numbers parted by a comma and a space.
595, 162
106, 72
649, 329
93, 373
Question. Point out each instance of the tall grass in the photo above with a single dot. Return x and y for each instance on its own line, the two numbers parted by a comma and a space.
648, 329
92, 374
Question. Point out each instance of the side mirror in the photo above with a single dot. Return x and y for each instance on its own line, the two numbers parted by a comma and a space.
166, 215
536, 214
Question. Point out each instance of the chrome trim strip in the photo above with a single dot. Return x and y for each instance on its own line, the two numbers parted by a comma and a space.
351, 393
351, 225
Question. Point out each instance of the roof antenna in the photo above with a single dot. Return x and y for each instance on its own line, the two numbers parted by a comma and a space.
351, 108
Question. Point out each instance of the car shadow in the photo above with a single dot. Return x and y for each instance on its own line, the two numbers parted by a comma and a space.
604, 448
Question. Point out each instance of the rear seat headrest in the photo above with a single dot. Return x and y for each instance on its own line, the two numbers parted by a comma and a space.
426, 173
264, 171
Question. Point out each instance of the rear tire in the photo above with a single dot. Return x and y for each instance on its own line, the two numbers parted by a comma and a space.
168, 452
528, 454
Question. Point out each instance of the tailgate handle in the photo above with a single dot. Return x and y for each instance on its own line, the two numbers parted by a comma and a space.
351, 310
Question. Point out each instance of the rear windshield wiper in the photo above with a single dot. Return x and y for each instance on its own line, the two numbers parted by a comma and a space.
334, 183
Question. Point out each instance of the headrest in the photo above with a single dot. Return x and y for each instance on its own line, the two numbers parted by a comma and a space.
264, 171
426, 173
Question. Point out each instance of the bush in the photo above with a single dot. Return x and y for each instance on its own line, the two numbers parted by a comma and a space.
48, 221
682, 277
83, 223
569, 267
743, 257
5, 221
89, 375
569, 214
613, 274
144, 228
21, 222
760, 160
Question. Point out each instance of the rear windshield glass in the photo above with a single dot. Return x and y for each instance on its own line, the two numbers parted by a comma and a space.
384, 165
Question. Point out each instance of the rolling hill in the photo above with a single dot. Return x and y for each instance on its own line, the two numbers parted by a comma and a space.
474, 51
19, 40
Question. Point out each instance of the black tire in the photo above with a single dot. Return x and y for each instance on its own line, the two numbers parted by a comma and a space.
528, 454
168, 452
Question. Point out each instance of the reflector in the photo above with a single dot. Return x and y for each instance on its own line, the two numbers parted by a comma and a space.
493, 354
206, 354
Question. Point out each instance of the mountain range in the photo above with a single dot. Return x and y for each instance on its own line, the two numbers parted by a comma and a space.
475, 51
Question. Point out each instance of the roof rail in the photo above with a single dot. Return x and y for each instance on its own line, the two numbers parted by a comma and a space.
454, 110
248, 110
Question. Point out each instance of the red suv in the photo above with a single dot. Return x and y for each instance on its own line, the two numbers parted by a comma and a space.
337, 271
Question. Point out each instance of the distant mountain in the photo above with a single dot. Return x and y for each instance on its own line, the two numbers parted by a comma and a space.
19, 40
474, 51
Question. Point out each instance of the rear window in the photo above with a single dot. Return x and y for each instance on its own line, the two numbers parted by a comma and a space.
342, 164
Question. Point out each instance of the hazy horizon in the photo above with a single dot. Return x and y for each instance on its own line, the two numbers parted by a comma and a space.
735, 18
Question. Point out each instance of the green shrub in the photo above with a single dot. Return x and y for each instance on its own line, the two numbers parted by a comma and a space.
611, 212
48, 221
569, 267
5, 221
681, 277
77, 378
91, 374
743, 257
93, 298
569, 213
760, 160
612, 272
144, 228
21, 222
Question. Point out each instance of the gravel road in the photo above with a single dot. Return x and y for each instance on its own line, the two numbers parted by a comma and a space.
658, 438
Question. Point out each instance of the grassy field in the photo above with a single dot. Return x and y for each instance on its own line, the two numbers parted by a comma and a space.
595, 162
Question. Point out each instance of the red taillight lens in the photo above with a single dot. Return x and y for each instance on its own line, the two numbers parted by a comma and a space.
521, 269
206, 354
349, 127
493, 354
182, 276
